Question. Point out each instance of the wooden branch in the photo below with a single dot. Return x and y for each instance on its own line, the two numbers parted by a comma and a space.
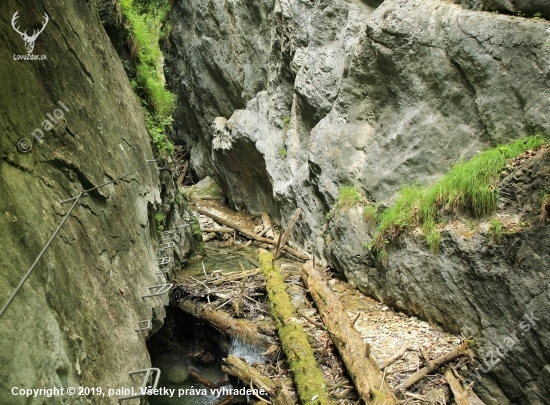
363, 370
435, 364
249, 233
307, 376
225, 323
205, 381
394, 357
218, 230
462, 396
289, 228
237, 276
267, 225
181, 177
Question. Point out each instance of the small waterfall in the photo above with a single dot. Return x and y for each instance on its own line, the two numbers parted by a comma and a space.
245, 351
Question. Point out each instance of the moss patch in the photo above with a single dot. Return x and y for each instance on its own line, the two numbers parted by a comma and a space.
307, 376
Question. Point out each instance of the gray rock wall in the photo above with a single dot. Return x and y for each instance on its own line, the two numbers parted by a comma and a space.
375, 98
73, 323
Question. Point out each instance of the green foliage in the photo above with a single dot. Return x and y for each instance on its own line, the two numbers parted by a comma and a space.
348, 196
195, 227
371, 214
537, 15
159, 219
283, 152
144, 22
286, 120
495, 230
469, 186
520, 13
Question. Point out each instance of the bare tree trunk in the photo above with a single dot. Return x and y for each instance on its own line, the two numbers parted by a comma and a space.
361, 367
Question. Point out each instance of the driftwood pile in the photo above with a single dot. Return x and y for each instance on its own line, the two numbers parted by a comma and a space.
234, 302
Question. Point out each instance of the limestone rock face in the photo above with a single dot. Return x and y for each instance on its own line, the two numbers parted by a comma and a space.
473, 285
525, 7
73, 323
336, 92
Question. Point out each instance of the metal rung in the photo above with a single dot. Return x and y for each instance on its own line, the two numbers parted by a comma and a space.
163, 260
162, 288
142, 391
163, 271
166, 245
147, 325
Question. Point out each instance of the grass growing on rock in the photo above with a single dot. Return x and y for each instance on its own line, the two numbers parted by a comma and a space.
348, 196
144, 22
468, 186
306, 373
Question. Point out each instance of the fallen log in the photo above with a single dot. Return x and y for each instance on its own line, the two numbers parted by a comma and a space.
249, 233
247, 374
206, 382
307, 376
462, 396
289, 228
225, 323
435, 364
362, 368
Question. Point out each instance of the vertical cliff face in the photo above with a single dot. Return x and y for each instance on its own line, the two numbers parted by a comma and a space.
73, 323
375, 96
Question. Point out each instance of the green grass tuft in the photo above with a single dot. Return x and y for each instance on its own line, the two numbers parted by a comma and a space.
495, 230
468, 186
348, 196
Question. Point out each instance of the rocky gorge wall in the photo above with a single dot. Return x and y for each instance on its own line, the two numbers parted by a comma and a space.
286, 101
73, 323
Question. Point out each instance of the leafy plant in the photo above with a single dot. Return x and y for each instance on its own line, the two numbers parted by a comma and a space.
495, 230
520, 13
159, 219
195, 227
144, 22
283, 152
537, 15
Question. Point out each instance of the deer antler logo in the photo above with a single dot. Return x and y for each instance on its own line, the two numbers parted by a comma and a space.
29, 40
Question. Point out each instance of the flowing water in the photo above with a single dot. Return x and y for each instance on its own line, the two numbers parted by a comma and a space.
174, 364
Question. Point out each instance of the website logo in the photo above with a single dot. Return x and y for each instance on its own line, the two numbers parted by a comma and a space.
29, 40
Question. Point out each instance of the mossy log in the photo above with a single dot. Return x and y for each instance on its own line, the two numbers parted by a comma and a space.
249, 233
309, 381
225, 323
363, 370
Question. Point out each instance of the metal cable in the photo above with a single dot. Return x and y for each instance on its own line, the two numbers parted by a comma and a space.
112, 181
83, 193
26, 276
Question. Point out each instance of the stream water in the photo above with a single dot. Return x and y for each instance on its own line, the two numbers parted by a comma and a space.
185, 335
